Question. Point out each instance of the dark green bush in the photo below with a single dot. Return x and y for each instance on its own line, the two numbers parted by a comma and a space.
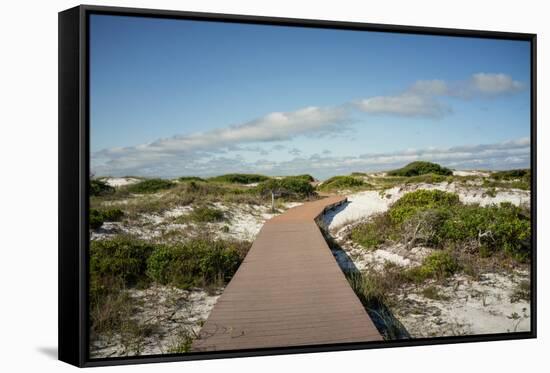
421, 168
306, 177
504, 228
98, 217
100, 188
191, 178
149, 186
122, 257
239, 178
287, 186
411, 203
342, 182
196, 263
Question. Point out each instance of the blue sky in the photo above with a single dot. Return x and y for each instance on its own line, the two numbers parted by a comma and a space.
173, 97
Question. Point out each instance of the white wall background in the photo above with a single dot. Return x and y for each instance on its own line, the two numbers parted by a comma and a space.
28, 186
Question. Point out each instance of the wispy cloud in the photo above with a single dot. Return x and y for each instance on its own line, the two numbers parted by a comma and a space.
276, 126
217, 150
422, 99
493, 84
406, 104
503, 155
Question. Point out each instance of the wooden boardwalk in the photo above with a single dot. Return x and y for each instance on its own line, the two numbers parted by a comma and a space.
289, 291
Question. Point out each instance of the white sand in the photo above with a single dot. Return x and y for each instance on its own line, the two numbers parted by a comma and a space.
472, 307
471, 173
120, 181
168, 311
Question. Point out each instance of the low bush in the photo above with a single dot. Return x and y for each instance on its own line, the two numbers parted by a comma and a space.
198, 262
122, 258
438, 219
239, 178
191, 178
421, 168
342, 182
305, 177
493, 228
205, 214
511, 174
290, 186
411, 203
124, 261
372, 233
100, 188
149, 186
428, 179
98, 217
440, 264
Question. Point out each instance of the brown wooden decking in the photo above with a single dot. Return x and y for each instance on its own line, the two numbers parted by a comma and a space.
289, 291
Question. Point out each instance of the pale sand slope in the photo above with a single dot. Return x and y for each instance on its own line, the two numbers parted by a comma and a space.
120, 181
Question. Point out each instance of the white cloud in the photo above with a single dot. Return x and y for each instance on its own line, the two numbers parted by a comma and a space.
421, 99
494, 84
274, 126
430, 87
407, 104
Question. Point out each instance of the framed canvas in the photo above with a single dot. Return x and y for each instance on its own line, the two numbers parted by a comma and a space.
239, 186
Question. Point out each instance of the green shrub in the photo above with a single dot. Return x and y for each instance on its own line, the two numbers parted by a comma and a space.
342, 182
191, 178
437, 219
494, 228
305, 177
149, 186
421, 168
372, 233
122, 257
511, 174
100, 188
413, 202
239, 178
440, 264
428, 179
206, 214
98, 217
198, 262
287, 186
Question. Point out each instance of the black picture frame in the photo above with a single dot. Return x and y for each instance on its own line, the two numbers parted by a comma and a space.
74, 179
